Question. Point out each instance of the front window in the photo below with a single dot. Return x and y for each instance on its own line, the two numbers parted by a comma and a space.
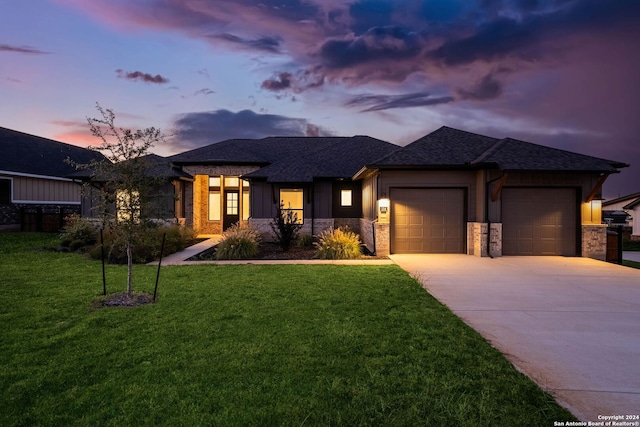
293, 200
214, 198
346, 198
128, 205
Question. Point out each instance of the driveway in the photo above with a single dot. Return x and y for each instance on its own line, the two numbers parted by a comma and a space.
570, 324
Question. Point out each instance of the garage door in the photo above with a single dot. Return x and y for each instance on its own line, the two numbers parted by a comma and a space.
427, 220
539, 221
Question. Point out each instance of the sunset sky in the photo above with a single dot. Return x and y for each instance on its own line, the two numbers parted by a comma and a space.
561, 73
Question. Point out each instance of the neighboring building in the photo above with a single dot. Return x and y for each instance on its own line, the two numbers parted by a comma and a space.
453, 191
35, 193
166, 201
629, 204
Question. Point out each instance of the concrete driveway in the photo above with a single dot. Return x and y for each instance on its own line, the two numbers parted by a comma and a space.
570, 324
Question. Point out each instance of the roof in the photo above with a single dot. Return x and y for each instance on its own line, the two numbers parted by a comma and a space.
292, 159
631, 198
30, 154
156, 166
448, 147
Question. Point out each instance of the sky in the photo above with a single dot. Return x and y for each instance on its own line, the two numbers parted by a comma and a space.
561, 73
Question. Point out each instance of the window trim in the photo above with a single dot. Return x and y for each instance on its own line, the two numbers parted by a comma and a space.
299, 211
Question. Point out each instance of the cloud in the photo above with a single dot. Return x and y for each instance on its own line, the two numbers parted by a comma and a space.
263, 44
22, 49
205, 91
377, 44
277, 83
193, 130
387, 102
484, 89
302, 81
140, 76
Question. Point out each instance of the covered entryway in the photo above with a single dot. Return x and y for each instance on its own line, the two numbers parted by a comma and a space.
539, 221
427, 220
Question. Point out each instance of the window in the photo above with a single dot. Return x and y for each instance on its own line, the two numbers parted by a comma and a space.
231, 181
345, 198
292, 199
245, 204
214, 198
232, 203
5, 190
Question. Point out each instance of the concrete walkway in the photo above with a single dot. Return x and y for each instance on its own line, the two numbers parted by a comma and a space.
180, 258
570, 324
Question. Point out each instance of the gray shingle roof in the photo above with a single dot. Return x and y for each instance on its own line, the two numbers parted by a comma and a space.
293, 159
323, 157
443, 147
513, 154
156, 166
453, 148
24, 153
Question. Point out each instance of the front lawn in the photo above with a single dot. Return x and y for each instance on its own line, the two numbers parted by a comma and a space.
244, 345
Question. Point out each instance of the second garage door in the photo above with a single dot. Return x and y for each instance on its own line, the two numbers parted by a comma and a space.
539, 221
427, 220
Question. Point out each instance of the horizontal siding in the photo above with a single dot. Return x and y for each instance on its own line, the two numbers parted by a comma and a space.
44, 190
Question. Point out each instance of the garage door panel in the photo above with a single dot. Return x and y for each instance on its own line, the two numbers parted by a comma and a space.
539, 221
427, 220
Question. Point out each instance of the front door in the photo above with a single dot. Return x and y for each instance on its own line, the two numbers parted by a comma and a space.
231, 209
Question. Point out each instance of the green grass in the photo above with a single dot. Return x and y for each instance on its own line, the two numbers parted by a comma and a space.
243, 345
634, 264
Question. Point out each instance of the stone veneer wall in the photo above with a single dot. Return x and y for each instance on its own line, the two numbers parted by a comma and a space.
366, 233
352, 223
477, 239
383, 238
594, 241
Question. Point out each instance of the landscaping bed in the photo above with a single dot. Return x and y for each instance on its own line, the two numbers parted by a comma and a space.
271, 251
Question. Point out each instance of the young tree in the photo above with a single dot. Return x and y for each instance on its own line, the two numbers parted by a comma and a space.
127, 181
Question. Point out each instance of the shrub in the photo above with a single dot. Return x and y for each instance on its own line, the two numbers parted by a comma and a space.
285, 227
304, 240
78, 233
238, 243
146, 247
339, 243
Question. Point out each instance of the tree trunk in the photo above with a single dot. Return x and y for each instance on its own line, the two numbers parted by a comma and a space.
129, 269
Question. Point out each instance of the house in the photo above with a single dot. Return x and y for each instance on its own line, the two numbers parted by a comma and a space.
35, 191
629, 204
450, 191
165, 200
453, 191
245, 180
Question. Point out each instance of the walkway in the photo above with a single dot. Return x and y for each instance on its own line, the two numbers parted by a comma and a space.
180, 258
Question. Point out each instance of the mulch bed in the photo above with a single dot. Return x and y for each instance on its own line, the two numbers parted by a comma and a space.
268, 250
122, 299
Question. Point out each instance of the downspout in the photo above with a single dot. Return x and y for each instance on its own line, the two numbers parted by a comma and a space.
313, 209
486, 213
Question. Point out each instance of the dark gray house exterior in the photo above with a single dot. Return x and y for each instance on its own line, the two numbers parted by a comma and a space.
246, 180
450, 191
453, 191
